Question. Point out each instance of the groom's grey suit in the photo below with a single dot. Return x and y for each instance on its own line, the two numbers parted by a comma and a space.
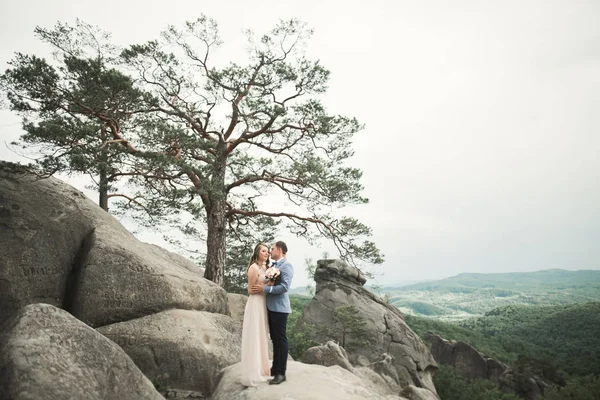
278, 306
278, 299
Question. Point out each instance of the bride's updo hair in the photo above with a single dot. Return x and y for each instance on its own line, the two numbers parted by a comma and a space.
254, 258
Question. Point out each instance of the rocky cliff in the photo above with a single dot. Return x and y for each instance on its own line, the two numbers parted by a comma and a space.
339, 284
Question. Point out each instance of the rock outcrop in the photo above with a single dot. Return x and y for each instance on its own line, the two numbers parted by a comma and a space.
470, 363
58, 247
338, 284
327, 355
464, 358
180, 349
41, 235
380, 376
384, 367
45, 353
237, 306
304, 381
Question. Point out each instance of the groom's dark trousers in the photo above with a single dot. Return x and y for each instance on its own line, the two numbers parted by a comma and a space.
279, 307
277, 328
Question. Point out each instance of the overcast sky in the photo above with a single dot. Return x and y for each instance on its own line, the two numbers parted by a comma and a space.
480, 152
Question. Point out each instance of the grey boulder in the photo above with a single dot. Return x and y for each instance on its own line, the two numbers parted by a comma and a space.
45, 353
304, 381
180, 350
59, 247
41, 233
327, 355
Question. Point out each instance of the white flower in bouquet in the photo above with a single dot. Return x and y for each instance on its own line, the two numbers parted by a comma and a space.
272, 274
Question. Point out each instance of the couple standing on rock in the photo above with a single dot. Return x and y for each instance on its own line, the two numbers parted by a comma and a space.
268, 305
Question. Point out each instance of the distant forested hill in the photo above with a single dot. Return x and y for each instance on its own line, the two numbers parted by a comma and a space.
531, 282
467, 295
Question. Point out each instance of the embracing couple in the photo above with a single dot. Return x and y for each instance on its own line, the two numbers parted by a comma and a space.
266, 313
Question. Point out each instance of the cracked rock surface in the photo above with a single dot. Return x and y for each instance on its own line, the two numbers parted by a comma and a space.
46, 353
41, 232
59, 248
338, 284
304, 381
181, 349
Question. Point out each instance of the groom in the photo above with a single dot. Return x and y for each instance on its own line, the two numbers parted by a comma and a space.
278, 306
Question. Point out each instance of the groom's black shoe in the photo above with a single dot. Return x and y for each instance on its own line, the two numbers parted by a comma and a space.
277, 380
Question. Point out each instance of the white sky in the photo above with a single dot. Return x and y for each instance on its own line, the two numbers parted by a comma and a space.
480, 152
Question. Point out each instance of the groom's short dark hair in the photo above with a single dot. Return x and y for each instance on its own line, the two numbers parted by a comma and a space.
281, 245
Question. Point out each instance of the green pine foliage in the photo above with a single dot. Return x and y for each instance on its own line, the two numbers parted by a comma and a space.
195, 142
555, 343
568, 335
300, 338
349, 327
452, 386
578, 388
490, 346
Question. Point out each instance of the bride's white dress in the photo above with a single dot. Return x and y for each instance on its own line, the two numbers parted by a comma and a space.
255, 351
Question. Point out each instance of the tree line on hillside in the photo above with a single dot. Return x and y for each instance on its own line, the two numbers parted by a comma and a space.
556, 343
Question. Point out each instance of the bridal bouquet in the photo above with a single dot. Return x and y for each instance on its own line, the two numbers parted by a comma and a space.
272, 274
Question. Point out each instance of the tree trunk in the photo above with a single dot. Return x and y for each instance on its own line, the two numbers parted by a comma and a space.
103, 190
216, 236
215, 242
103, 178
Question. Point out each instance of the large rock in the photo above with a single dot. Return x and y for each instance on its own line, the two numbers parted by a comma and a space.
338, 284
177, 259
180, 350
470, 363
123, 278
56, 245
45, 353
377, 383
237, 306
327, 355
384, 366
465, 359
380, 376
304, 381
416, 393
41, 233
523, 385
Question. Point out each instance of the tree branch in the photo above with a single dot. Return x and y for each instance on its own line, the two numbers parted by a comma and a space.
131, 200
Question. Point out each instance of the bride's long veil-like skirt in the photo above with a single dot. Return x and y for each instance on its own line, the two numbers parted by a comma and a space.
255, 350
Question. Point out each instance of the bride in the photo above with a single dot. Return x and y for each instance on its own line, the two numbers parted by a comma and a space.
255, 358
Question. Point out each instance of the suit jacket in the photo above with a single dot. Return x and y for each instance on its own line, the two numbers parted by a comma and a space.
278, 299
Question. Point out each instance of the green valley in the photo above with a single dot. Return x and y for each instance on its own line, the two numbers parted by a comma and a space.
556, 343
469, 295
